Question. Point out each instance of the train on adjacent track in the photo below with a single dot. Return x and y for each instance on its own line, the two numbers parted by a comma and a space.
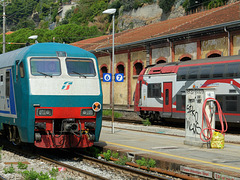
161, 88
50, 96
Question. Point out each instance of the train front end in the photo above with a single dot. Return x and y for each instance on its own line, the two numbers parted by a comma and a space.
65, 99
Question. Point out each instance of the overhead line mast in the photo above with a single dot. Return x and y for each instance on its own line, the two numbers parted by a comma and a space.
4, 3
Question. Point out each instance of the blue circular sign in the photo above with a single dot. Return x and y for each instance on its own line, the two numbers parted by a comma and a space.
107, 77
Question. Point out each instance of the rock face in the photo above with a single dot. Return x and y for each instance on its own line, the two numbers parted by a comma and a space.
145, 15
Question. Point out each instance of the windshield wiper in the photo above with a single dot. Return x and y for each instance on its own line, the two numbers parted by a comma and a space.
44, 74
82, 75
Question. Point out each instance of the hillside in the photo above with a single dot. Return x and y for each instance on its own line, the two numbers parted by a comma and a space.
67, 21
44, 14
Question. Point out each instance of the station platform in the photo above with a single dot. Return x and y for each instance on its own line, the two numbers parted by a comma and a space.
170, 152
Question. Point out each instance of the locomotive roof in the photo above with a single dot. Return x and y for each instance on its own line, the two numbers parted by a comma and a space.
172, 67
42, 49
199, 61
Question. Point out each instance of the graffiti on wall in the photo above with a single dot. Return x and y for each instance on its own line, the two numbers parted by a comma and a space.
192, 120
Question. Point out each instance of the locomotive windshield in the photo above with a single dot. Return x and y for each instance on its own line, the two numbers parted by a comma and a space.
80, 67
45, 66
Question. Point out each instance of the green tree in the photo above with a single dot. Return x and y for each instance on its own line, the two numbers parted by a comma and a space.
166, 5
26, 23
18, 10
191, 5
72, 32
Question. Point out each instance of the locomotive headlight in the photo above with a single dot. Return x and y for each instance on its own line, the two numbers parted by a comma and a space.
87, 112
44, 112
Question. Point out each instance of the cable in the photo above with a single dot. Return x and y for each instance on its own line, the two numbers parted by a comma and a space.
209, 128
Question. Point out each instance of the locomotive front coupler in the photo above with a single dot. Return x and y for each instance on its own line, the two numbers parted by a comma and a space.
69, 125
40, 125
90, 125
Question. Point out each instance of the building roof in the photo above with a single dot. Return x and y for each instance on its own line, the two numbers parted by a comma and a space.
9, 32
224, 16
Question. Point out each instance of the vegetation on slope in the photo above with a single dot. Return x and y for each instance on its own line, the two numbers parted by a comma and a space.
83, 21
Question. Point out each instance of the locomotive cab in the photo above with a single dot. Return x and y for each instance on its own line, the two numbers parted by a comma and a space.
55, 93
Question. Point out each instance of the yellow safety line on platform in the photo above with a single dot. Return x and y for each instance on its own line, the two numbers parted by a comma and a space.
166, 154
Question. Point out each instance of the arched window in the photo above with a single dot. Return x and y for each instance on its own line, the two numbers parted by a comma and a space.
161, 60
103, 69
185, 57
138, 67
120, 68
214, 53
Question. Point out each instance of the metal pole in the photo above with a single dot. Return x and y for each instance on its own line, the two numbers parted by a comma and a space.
113, 77
4, 28
4, 4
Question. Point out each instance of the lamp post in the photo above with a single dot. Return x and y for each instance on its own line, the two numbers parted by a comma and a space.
112, 11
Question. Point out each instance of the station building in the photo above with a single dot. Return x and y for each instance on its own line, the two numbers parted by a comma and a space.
206, 34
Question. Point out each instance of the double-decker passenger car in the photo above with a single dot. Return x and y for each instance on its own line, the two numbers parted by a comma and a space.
50, 96
160, 89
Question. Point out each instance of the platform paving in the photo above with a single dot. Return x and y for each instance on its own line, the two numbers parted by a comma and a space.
171, 153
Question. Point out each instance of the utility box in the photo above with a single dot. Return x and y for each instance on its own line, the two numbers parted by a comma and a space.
194, 115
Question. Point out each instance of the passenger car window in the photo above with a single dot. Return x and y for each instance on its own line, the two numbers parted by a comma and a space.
193, 72
182, 73
80, 67
218, 70
205, 72
232, 70
45, 66
154, 90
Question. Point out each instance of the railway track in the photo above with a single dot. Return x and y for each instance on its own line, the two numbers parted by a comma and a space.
233, 128
116, 170
56, 158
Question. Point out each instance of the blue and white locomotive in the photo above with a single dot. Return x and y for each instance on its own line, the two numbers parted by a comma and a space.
50, 96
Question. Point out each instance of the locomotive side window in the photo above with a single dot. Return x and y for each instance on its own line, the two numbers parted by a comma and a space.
80, 67
21, 69
7, 84
45, 66
154, 90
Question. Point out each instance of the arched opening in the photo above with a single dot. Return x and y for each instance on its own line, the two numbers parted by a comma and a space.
214, 55
103, 69
160, 61
120, 68
185, 59
138, 67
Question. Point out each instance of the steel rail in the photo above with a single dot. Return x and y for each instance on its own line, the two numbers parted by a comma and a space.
132, 171
86, 174
83, 172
